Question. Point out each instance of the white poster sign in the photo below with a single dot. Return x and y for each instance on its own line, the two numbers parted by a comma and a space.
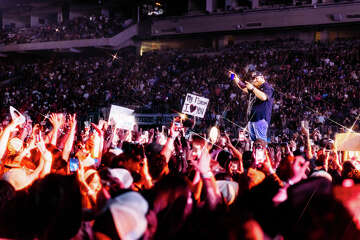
195, 105
15, 113
121, 117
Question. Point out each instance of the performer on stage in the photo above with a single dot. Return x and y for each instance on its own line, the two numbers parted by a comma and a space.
259, 105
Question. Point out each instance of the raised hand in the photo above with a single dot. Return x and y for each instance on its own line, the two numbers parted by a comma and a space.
72, 121
129, 136
228, 141
103, 125
174, 131
237, 80
267, 165
39, 142
32, 142
203, 164
151, 135
97, 129
298, 169
57, 120
305, 131
144, 172
13, 126
137, 133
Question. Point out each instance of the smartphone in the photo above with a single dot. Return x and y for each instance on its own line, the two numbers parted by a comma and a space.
241, 136
232, 76
233, 166
260, 156
73, 164
177, 123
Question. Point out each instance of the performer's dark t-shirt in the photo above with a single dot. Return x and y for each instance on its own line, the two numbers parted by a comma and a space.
258, 109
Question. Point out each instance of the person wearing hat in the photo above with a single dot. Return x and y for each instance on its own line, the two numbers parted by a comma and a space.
124, 217
259, 106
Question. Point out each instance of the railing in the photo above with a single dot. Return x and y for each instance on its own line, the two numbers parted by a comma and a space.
264, 8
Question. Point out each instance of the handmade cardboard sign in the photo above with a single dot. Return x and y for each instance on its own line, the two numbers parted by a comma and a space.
121, 117
195, 105
347, 141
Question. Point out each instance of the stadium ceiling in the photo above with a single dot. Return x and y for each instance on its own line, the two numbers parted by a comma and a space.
23, 7
19, 8
6, 4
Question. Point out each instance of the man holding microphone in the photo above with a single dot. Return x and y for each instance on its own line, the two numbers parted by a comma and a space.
260, 102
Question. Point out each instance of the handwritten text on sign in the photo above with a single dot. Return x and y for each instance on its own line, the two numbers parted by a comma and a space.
195, 105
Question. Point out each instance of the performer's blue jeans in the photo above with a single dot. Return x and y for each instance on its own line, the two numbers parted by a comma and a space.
258, 130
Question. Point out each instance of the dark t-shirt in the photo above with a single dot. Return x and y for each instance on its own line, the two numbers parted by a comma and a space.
258, 109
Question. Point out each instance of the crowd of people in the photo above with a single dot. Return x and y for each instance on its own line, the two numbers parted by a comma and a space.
83, 27
95, 181
316, 82
109, 183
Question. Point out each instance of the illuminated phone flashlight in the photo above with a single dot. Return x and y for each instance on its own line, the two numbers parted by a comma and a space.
242, 136
214, 134
196, 151
182, 116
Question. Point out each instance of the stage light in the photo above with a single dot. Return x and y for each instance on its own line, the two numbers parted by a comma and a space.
115, 57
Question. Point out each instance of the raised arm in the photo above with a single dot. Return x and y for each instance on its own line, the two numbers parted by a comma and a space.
31, 145
240, 83
70, 139
197, 185
45, 162
306, 133
6, 135
169, 145
109, 141
26, 131
46, 156
96, 151
203, 166
56, 121
145, 175
86, 188
236, 153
